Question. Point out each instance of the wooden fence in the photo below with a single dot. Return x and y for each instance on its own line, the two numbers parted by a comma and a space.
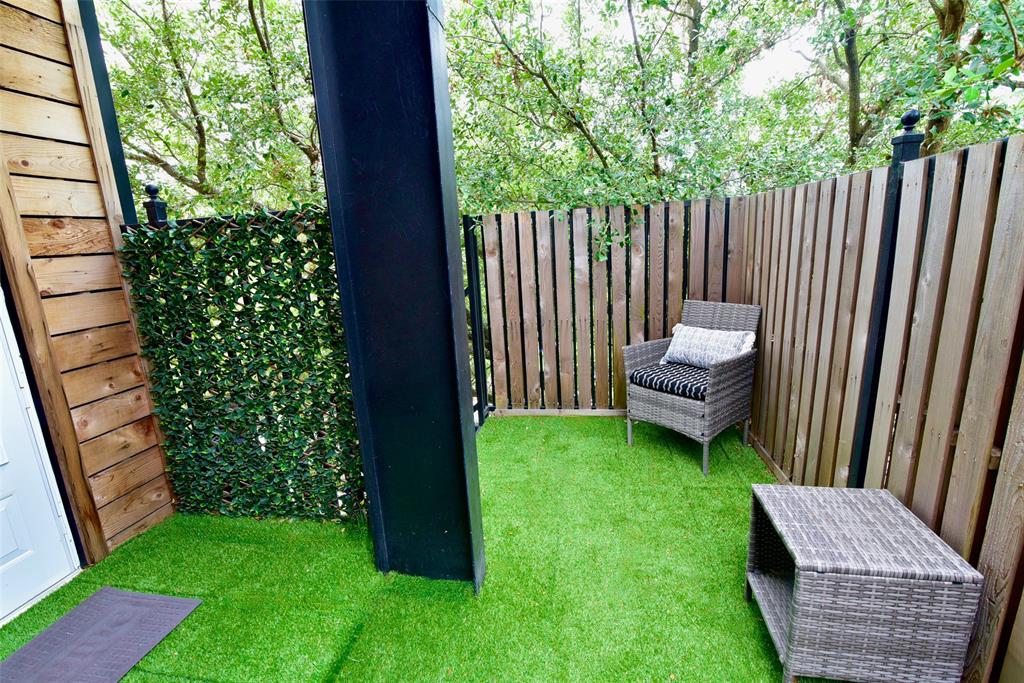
946, 415
566, 290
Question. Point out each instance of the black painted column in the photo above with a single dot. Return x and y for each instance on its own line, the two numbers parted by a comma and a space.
381, 88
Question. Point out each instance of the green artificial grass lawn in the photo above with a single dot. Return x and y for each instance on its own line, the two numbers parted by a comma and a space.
604, 562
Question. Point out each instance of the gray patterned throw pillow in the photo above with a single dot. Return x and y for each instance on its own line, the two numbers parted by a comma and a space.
703, 347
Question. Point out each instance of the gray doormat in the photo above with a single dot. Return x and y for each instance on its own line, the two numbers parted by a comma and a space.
98, 641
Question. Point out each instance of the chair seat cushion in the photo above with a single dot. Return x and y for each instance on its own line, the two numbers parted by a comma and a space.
687, 381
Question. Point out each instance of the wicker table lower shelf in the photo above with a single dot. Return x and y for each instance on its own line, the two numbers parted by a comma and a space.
852, 586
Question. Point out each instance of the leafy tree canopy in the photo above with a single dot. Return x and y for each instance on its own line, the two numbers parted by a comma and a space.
561, 103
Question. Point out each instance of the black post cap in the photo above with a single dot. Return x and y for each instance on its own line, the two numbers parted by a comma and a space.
910, 120
156, 208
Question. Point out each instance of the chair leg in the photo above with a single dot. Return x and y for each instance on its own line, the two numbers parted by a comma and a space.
707, 446
629, 431
746, 432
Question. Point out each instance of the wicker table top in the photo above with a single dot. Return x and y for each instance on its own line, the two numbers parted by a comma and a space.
859, 531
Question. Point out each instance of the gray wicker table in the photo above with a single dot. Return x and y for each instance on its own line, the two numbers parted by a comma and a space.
853, 586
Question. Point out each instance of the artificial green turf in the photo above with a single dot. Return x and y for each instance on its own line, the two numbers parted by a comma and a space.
604, 562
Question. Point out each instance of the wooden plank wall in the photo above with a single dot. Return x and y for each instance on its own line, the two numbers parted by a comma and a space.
61, 220
566, 290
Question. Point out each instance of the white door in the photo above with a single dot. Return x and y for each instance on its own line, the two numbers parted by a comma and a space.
37, 553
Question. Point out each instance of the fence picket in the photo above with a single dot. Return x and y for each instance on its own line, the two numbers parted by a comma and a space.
495, 310
602, 393
656, 272
716, 250
698, 237
546, 299
528, 291
581, 289
637, 270
620, 320
735, 258
676, 270
563, 299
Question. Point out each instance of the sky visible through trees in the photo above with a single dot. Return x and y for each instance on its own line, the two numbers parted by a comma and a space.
561, 103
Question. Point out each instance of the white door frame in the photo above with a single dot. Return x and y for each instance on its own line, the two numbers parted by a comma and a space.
43, 453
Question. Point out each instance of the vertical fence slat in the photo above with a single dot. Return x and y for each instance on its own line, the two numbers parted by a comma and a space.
1000, 559
802, 297
546, 297
698, 230
758, 232
513, 312
822, 233
563, 299
795, 227
781, 222
897, 328
618, 265
676, 255
925, 324
769, 252
581, 288
531, 334
735, 260
637, 271
656, 272
716, 250
495, 311
966, 274
602, 393
993, 346
861, 312
844, 325
828, 328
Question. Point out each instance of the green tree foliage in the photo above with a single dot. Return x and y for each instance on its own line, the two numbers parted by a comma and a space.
575, 102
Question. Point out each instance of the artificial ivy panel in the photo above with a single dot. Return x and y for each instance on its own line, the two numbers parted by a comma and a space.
241, 323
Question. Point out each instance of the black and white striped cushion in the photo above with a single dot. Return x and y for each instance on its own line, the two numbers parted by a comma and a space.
673, 378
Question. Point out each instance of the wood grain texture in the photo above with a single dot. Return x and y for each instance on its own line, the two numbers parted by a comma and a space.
822, 230
990, 364
103, 379
929, 300
601, 327
66, 236
1000, 559
959, 320
844, 326
55, 197
698, 240
802, 297
48, 9
495, 309
129, 509
637, 270
546, 298
909, 238
795, 226
513, 311
35, 35
735, 253
531, 331
656, 272
82, 311
862, 310
144, 524
618, 265
46, 158
28, 115
783, 221
581, 293
716, 250
93, 346
37, 76
676, 237
767, 229
36, 336
70, 274
100, 417
126, 476
760, 272
829, 312
111, 448
564, 303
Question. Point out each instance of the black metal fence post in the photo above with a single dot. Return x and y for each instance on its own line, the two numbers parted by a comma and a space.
474, 290
905, 147
156, 208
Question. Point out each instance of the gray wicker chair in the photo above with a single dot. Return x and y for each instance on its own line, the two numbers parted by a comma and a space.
729, 388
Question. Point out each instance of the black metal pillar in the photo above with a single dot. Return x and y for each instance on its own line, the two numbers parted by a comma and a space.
905, 147
381, 89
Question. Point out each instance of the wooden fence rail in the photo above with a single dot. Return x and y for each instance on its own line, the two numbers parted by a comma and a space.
946, 416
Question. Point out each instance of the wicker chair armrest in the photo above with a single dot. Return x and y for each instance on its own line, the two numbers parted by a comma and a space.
732, 374
641, 355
